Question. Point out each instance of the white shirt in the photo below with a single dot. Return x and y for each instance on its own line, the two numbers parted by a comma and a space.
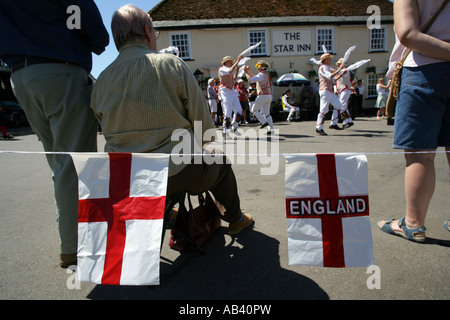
226, 78
325, 71
344, 82
360, 89
285, 101
257, 78
223, 70
381, 91
325, 79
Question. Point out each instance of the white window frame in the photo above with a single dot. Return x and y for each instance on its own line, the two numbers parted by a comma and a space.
383, 40
264, 47
319, 45
183, 54
371, 87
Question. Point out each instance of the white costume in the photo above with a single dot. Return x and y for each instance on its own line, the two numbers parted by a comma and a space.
344, 90
212, 98
289, 108
326, 94
229, 97
261, 108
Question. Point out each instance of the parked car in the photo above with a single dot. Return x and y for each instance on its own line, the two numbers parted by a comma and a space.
14, 114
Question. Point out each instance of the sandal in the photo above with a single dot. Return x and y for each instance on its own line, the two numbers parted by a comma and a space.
409, 234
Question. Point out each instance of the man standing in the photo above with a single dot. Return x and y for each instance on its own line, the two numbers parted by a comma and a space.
360, 96
327, 96
50, 65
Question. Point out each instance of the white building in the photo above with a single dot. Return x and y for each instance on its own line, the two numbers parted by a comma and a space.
291, 33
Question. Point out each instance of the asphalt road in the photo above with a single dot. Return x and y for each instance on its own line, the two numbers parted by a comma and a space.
254, 264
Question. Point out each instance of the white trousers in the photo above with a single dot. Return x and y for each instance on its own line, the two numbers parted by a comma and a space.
343, 98
326, 97
261, 109
212, 105
230, 102
293, 111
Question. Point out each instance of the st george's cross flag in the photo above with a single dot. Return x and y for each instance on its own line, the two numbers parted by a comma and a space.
327, 210
120, 217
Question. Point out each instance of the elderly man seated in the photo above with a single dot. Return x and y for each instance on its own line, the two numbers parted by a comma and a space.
145, 96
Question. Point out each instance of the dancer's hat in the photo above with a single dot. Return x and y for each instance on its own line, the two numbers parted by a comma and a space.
227, 58
325, 56
262, 65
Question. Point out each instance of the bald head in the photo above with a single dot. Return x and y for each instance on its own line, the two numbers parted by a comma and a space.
131, 24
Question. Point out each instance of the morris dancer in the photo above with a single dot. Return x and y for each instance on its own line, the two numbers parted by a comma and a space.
228, 93
263, 87
327, 96
344, 89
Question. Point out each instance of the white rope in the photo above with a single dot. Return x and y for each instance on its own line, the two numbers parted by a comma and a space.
228, 154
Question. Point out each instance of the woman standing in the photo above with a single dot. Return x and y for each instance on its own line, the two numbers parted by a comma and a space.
422, 116
382, 91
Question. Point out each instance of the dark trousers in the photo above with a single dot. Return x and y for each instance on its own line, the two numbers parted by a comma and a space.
217, 177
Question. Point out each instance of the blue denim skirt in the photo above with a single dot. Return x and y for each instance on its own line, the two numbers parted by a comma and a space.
422, 115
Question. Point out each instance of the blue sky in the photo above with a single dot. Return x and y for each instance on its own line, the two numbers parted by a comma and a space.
107, 8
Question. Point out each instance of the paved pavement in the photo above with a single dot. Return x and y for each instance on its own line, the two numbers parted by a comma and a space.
254, 264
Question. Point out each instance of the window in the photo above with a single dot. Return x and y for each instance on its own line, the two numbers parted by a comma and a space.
255, 36
324, 36
372, 84
378, 39
183, 42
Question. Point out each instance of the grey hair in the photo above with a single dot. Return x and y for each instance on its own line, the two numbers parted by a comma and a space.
128, 25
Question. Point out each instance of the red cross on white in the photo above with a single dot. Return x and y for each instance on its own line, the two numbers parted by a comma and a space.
327, 210
120, 217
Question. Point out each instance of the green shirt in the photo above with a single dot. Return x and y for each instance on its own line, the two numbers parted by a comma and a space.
143, 97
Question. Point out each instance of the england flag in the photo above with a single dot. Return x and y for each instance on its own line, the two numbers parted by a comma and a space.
327, 210
120, 217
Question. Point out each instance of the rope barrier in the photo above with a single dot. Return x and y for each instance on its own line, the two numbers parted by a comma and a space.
230, 154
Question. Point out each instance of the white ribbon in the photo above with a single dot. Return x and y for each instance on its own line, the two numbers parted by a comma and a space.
358, 64
250, 49
313, 60
347, 54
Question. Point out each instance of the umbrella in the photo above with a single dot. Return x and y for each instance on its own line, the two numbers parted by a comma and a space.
291, 79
